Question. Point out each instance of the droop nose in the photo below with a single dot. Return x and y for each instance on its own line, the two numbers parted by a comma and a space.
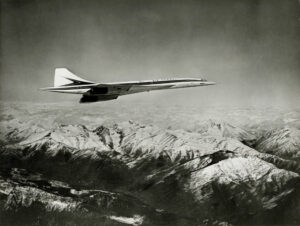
208, 83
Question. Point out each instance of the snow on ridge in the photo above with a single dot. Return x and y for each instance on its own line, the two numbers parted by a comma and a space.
135, 220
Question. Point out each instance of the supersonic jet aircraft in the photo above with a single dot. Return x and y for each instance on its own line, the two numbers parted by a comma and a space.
67, 82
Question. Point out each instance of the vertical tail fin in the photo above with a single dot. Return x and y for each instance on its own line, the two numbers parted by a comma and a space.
64, 77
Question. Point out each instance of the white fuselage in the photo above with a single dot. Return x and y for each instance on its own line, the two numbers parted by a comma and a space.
143, 86
67, 82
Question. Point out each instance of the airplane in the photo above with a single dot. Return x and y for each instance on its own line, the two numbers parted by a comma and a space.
67, 82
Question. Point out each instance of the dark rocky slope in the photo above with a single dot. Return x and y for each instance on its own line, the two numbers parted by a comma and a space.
30, 199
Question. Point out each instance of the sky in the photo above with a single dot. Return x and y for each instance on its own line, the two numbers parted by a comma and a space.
251, 48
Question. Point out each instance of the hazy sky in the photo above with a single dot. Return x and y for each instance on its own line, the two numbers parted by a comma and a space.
251, 48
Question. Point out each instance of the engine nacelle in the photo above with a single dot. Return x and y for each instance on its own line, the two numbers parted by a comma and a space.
90, 99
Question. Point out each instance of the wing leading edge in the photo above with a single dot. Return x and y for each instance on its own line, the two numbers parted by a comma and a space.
67, 82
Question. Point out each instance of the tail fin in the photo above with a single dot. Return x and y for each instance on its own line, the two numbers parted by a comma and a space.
64, 77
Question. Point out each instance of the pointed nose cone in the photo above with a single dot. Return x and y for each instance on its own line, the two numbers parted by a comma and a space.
208, 83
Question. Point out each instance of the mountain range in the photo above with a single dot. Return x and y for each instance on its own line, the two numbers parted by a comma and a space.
201, 167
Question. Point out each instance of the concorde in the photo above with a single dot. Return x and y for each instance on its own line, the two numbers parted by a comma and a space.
67, 82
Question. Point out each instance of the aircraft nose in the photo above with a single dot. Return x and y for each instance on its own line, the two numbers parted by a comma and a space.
210, 83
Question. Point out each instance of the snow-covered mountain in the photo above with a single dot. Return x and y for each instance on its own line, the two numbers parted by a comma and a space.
217, 173
283, 142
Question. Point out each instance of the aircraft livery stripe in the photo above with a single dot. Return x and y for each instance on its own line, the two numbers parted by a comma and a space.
168, 81
151, 82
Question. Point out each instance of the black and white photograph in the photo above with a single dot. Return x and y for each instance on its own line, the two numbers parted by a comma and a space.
150, 113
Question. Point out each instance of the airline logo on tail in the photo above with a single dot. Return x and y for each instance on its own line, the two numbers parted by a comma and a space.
64, 77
